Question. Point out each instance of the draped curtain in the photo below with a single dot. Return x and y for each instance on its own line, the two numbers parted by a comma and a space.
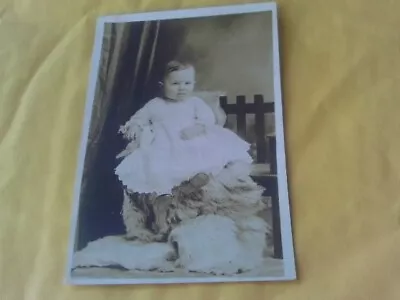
126, 65
114, 49
114, 43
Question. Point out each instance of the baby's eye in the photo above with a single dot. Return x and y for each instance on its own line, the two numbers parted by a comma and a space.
187, 83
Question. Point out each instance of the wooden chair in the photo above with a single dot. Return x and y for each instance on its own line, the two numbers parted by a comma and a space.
265, 167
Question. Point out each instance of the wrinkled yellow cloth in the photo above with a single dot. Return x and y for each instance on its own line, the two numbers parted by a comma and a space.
341, 91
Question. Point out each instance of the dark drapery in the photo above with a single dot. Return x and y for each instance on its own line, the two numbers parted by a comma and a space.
126, 67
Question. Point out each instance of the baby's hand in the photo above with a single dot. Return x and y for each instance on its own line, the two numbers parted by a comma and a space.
192, 131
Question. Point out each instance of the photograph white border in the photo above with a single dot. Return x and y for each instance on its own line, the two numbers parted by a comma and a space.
284, 205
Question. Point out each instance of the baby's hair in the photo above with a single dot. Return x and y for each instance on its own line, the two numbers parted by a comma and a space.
176, 65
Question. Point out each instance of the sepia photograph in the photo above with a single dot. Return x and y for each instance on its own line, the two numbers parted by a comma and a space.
181, 176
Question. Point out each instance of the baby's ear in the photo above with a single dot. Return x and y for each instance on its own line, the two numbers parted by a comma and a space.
161, 84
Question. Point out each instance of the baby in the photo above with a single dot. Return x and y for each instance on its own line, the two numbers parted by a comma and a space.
175, 137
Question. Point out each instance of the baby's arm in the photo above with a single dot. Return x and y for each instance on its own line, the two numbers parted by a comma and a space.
132, 128
204, 117
193, 131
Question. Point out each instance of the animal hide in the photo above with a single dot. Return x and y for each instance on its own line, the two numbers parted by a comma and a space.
209, 244
208, 225
232, 193
219, 245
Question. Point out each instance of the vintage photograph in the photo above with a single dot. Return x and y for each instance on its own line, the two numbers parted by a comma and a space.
182, 174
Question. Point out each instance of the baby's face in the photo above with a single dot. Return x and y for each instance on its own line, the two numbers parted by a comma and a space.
179, 85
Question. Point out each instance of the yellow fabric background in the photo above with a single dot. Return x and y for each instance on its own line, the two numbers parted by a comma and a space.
341, 85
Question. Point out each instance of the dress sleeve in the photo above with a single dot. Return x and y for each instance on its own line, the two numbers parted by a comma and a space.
203, 113
132, 128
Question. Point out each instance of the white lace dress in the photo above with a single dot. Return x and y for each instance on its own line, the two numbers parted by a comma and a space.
163, 159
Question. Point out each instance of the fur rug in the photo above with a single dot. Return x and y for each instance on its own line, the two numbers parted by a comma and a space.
208, 225
232, 193
207, 244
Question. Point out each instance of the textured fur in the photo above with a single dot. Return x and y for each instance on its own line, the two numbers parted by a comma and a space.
132, 255
232, 194
207, 244
212, 228
218, 245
